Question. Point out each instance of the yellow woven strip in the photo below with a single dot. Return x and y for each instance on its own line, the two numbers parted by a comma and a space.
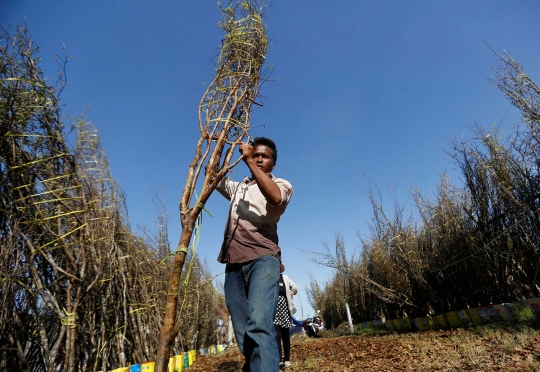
49, 192
24, 81
141, 309
47, 180
58, 199
47, 103
26, 135
25, 286
61, 215
38, 161
63, 236
69, 319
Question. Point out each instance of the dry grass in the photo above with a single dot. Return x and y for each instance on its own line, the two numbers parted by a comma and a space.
499, 347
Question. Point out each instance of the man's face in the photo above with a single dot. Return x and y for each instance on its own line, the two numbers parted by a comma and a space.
263, 158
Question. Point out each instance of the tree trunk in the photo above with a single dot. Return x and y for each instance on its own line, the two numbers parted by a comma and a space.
168, 332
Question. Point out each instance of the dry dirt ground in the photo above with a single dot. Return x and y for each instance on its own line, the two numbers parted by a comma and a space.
487, 348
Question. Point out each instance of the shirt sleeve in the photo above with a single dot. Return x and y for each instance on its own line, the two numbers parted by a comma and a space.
292, 286
286, 191
226, 187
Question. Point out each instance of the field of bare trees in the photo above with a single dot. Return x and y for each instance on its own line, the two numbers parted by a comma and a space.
78, 290
466, 246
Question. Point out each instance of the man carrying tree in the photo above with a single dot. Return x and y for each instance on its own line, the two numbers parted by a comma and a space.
250, 250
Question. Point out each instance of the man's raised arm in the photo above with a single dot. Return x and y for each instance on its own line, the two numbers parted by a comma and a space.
260, 162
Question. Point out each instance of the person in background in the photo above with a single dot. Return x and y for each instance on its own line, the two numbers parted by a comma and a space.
252, 255
283, 318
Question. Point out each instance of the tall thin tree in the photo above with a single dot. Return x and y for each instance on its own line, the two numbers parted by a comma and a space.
224, 120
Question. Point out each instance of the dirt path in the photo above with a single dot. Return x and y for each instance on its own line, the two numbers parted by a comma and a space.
509, 348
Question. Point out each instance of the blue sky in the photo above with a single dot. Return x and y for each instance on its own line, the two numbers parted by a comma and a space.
363, 89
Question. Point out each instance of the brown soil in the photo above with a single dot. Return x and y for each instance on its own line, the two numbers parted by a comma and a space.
488, 348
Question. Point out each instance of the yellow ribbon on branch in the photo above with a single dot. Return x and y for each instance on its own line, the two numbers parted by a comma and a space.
69, 319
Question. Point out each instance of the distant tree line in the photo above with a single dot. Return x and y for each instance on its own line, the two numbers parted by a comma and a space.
466, 246
78, 290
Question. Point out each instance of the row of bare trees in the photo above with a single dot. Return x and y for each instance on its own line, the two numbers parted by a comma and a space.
78, 290
468, 246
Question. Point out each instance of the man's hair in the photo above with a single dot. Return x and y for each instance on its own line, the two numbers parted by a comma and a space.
266, 142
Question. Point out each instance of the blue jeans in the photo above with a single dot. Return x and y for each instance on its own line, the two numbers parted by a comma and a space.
251, 292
